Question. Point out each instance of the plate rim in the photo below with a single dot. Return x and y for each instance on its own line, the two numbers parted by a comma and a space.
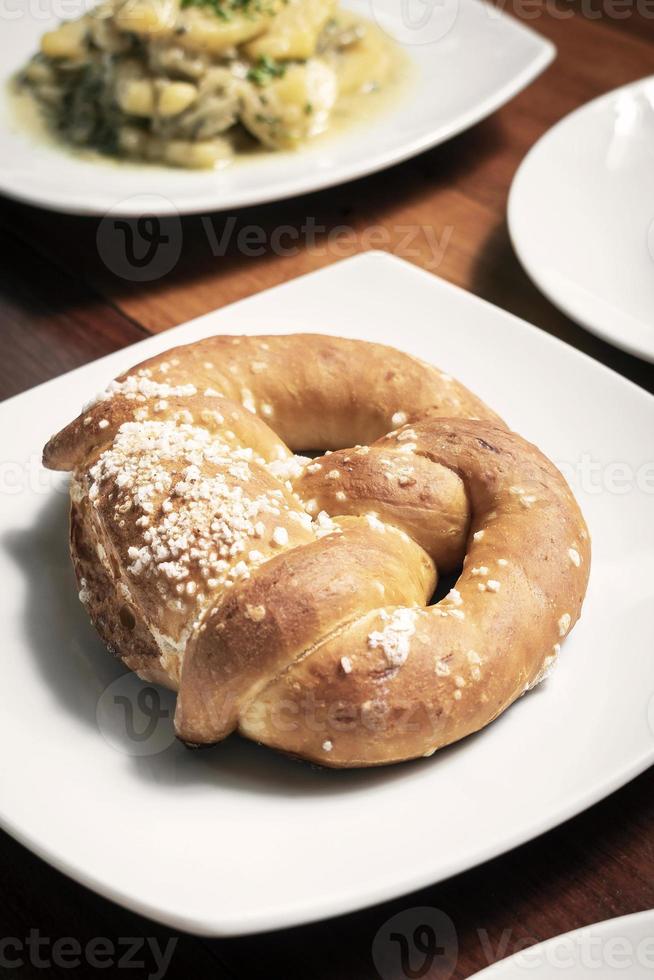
517, 241
604, 925
545, 52
291, 915
263, 919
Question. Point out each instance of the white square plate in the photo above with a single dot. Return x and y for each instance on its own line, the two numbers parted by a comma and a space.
236, 839
468, 59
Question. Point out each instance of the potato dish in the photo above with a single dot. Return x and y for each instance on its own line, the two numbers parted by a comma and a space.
190, 82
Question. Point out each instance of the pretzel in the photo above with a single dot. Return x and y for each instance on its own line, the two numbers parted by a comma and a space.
288, 598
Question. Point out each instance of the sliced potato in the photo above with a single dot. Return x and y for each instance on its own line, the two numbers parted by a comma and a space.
39, 73
175, 97
147, 17
165, 80
292, 108
293, 33
200, 29
364, 65
136, 96
67, 41
202, 155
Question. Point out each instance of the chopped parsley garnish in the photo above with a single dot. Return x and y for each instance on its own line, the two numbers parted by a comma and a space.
225, 9
265, 69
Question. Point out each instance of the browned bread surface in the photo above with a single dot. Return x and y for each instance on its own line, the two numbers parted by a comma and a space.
288, 598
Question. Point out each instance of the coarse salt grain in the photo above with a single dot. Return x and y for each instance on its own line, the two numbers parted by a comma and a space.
394, 639
201, 528
247, 401
141, 386
280, 536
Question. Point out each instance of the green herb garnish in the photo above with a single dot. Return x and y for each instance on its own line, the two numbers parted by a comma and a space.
265, 70
225, 9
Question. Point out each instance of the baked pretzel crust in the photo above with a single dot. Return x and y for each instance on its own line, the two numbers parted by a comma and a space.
289, 598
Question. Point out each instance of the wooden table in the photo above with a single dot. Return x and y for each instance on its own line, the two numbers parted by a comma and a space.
61, 307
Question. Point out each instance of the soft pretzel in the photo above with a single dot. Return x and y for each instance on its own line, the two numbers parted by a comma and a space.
288, 598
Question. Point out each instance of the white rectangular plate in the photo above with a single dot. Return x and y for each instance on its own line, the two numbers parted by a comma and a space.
236, 839
466, 59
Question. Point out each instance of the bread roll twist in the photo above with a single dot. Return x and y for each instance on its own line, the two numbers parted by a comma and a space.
288, 598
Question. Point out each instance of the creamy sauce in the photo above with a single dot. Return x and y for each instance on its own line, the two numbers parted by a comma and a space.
350, 111
363, 107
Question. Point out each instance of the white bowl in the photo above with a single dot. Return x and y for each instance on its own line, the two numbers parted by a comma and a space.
581, 216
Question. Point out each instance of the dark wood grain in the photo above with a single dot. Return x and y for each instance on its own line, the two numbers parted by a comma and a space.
50, 321
458, 190
60, 306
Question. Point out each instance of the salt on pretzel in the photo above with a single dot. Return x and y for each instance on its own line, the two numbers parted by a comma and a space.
288, 599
